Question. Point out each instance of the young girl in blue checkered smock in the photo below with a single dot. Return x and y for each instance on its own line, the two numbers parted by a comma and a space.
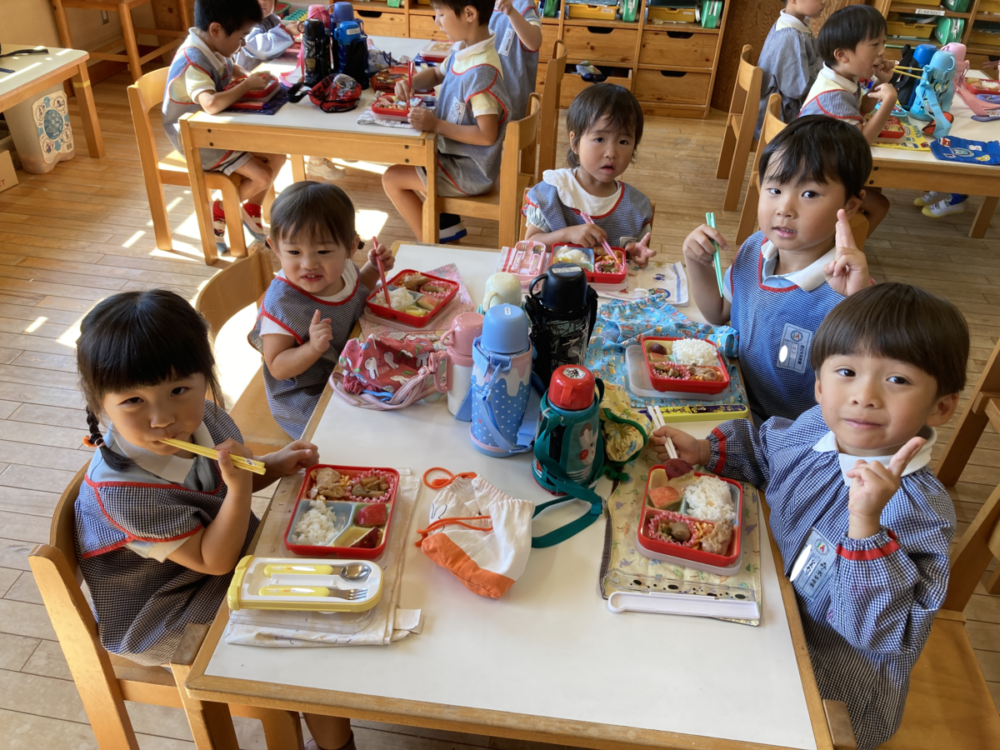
605, 127
787, 277
862, 523
311, 307
517, 30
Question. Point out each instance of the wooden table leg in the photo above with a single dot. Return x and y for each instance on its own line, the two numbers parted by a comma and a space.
298, 167
211, 723
983, 217
199, 193
88, 111
430, 222
131, 44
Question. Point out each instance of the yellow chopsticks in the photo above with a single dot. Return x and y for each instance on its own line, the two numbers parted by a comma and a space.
247, 464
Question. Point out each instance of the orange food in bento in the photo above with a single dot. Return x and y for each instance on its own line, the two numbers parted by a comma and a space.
664, 496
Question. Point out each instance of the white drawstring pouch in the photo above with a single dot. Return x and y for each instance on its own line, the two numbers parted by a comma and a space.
480, 534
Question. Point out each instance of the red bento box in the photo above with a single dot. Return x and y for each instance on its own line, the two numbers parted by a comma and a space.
597, 277
682, 384
376, 300
303, 501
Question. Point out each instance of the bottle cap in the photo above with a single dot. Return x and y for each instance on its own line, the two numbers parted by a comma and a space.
572, 388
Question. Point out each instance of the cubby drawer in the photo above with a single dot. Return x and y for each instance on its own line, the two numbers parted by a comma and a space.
423, 27
600, 43
550, 33
672, 86
573, 84
681, 48
382, 23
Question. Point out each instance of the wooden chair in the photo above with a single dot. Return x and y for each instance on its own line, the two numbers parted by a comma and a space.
143, 96
740, 125
502, 204
124, 11
236, 287
771, 126
548, 129
105, 681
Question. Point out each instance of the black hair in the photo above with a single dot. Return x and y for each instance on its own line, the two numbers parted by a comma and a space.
847, 28
483, 7
601, 100
136, 339
901, 322
231, 15
318, 210
820, 149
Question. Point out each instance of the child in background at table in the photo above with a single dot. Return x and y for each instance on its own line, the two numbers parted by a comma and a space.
862, 523
789, 60
266, 41
852, 45
787, 277
198, 75
605, 126
470, 117
518, 32
312, 305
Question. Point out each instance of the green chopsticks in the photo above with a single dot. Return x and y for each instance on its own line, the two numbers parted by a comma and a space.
716, 261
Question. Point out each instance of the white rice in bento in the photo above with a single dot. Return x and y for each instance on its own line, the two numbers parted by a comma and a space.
708, 499
694, 352
317, 526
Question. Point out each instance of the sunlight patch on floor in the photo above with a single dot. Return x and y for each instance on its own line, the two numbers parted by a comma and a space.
369, 223
35, 325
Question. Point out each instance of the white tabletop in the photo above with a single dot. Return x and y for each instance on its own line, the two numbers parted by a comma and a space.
549, 647
963, 127
307, 116
28, 68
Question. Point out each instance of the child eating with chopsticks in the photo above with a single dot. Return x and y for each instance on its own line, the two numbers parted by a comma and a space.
312, 305
160, 529
798, 267
605, 127
862, 523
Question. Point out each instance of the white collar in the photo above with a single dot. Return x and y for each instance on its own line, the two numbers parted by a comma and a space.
196, 38
828, 443
350, 281
807, 279
171, 468
572, 194
847, 84
476, 49
788, 21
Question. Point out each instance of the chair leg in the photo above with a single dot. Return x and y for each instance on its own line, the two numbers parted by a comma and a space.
211, 723
726, 155
234, 220
298, 167
62, 24
265, 209
748, 216
282, 729
737, 171
131, 45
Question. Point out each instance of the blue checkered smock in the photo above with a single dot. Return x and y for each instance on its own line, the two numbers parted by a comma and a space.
292, 401
519, 64
143, 605
866, 625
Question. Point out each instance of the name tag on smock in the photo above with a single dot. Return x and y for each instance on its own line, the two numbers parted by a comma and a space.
507, 43
813, 565
457, 112
793, 353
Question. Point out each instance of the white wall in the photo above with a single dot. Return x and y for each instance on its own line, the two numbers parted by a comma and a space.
33, 22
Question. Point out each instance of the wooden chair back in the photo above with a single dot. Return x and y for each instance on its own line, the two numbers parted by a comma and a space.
548, 135
771, 126
740, 124
241, 284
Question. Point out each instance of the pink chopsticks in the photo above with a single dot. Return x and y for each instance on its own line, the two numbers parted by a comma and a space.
381, 272
607, 247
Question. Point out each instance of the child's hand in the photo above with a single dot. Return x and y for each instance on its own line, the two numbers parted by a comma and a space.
238, 481
585, 235
688, 448
320, 333
381, 252
505, 6
640, 252
402, 90
848, 273
885, 93
872, 486
257, 81
883, 71
698, 245
423, 119
295, 456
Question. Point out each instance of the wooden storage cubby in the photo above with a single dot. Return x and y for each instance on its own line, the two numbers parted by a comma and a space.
669, 67
977, 10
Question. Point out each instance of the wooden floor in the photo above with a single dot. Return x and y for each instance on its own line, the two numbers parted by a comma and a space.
69, 238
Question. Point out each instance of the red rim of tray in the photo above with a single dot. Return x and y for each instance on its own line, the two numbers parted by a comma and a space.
679, 551
378, 296
311, 550
434, 57
389, 113
893, 134
388, 86
677, 384
595, 277
974, 85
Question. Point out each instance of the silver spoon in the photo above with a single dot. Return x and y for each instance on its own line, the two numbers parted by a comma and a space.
355, 572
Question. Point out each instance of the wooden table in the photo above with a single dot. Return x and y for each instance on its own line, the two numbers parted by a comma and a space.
919, 170
302, 129
548, 662
34, 74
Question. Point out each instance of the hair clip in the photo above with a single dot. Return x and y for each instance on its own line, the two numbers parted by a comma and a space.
90, 444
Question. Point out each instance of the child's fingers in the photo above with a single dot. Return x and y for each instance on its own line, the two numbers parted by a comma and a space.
315, 318
845, 237
715, 234
904, 455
